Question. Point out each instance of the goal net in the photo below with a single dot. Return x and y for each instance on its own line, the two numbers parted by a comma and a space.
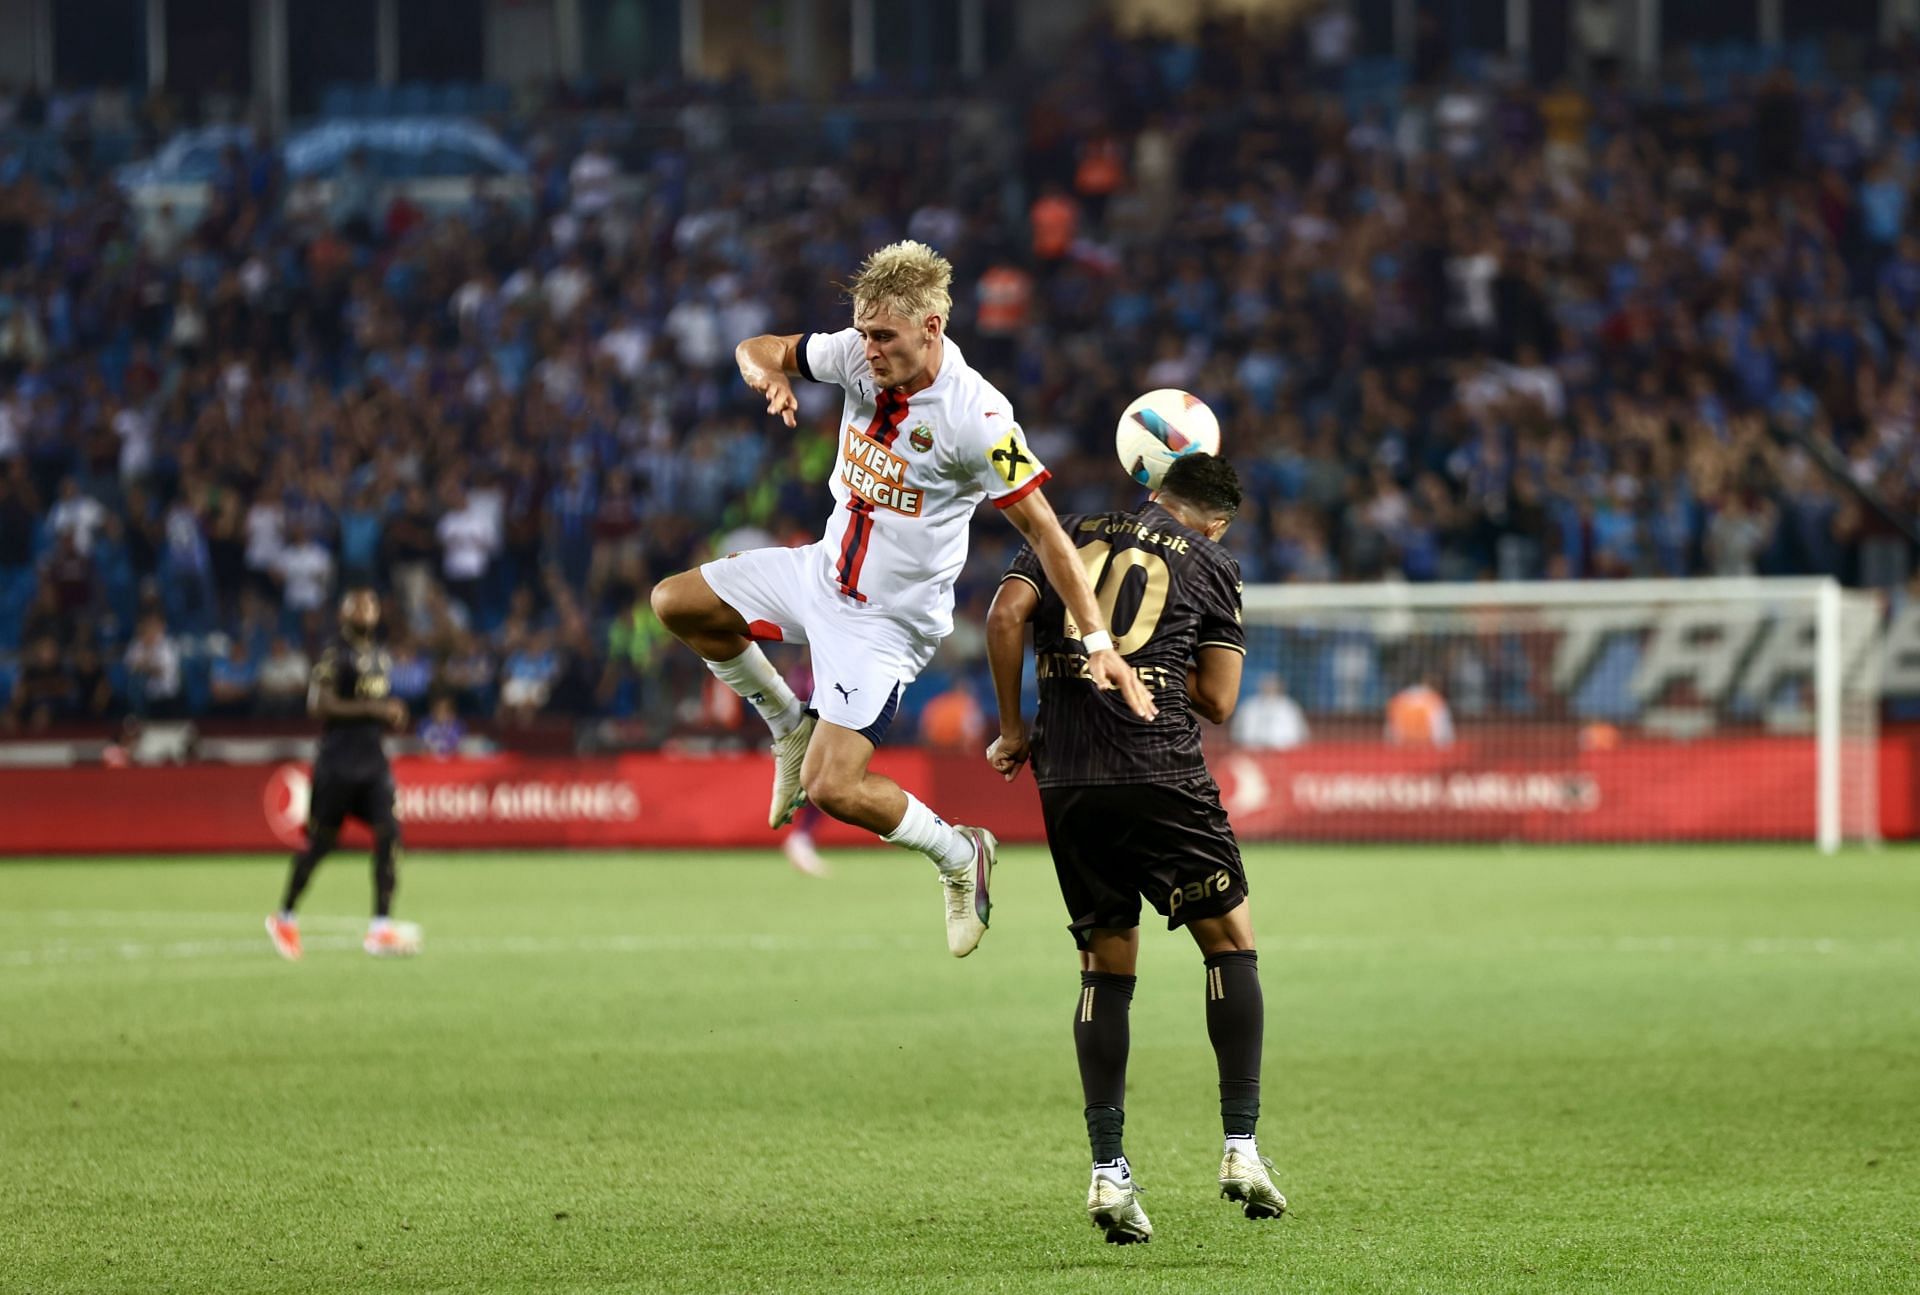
1743, 709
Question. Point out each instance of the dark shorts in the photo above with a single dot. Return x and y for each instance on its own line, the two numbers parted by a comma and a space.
365, 796
1170, 844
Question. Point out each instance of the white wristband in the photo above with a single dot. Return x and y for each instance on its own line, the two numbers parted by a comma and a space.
1098, 641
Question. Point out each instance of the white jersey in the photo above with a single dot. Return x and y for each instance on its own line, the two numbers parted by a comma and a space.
909, 474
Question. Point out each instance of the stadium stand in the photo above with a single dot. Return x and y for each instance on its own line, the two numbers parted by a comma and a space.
1456, 326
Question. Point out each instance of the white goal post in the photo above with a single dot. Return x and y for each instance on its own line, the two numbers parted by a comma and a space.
1711, 709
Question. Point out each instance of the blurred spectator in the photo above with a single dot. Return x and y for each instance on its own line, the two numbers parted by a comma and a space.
410, 674
1740, 529
1270, 720
592, 178
361, 524
1418, 717
355, 192
305, 570
19, 518
411, 543
617, 545
233, 679
636, 642
953, 721
283, 680
1055, 220
43, 691
442, 731
153, 671
71, 576
186, 570
527, 678
1331, 32
76, 517
93, 699
469, 535
468, 675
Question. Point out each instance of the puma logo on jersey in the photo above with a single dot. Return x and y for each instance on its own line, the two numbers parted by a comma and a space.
846, 694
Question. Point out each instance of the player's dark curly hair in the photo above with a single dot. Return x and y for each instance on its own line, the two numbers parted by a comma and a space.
1206, 481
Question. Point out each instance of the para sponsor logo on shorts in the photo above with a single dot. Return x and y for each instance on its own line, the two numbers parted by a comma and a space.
1195, 891
877, 475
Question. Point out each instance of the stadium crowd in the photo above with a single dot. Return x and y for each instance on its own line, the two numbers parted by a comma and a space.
1472, 329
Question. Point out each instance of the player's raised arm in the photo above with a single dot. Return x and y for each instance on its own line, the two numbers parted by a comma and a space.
768, 363
1007, 619
1035, 518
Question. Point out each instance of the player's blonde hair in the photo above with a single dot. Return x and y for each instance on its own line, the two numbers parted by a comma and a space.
907, 278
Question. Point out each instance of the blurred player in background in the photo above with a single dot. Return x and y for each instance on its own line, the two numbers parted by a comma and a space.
799, 846
1130, 808
923, 439
349, 695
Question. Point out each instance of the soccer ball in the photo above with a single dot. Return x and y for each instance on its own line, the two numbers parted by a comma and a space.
1160, 427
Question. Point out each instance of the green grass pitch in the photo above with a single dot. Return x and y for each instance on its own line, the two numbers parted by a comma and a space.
1527, 1070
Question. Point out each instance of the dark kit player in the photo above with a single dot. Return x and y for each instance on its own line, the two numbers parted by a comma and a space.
1131, 811
349, 695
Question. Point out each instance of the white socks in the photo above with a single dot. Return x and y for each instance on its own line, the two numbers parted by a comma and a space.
923, 830
1245, 1146
752, 676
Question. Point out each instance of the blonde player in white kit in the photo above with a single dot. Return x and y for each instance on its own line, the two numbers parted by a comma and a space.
923, 439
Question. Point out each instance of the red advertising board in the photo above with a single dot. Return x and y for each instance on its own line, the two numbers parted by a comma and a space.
499, 802
1740, 789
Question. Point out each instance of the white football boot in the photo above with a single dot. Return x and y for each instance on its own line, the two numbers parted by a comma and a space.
1243, 1178
789, 753
1113, 1203
968, 900
393, 940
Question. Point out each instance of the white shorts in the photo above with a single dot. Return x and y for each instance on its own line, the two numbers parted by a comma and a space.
863, 660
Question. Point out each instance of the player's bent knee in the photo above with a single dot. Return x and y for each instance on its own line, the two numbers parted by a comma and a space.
833, 793
1231, 932
676, 601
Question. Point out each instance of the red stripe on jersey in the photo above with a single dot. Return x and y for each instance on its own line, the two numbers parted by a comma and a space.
1034, 482
890, 410
853, 547
765, 632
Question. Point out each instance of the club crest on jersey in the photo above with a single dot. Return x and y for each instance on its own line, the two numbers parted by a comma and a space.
1011, 458
874, 473
921, 438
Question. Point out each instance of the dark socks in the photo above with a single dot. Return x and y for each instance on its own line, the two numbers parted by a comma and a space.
1236, 1019
1100, 1038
